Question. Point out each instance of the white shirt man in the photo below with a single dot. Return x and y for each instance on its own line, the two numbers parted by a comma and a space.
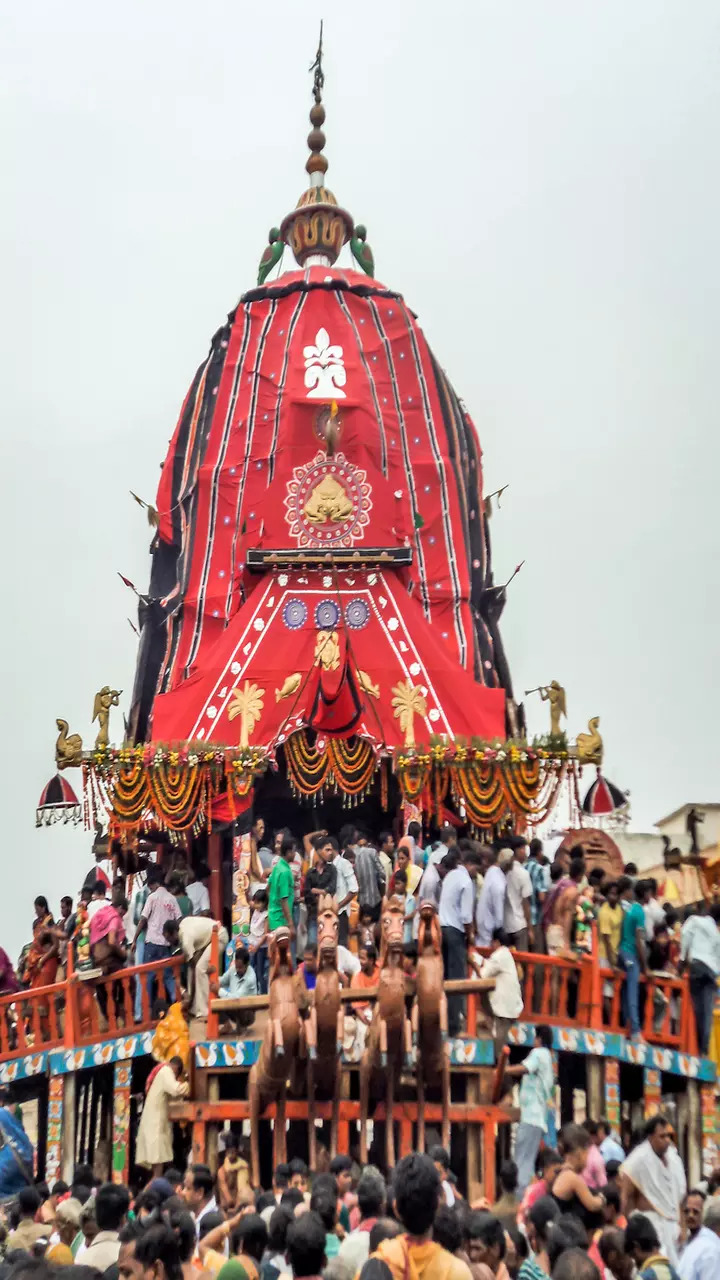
517, 905
346, 888
198, 894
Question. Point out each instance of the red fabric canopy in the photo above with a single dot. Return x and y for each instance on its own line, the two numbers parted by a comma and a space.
344, 652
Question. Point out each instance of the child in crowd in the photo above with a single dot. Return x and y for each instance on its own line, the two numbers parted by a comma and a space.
366, 929
409, 902
308, 968
257, 940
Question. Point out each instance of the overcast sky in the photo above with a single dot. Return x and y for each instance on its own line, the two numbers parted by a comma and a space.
538, 178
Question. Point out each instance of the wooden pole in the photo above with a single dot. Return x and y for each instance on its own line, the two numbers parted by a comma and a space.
215, 864
68, 1126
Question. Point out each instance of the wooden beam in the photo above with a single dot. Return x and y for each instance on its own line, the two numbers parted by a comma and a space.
404, 1112
457, 986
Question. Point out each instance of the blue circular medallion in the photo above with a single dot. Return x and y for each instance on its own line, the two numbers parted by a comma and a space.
357, 614
327, 615
295, 614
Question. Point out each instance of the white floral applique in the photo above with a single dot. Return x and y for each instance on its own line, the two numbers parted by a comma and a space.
325, 374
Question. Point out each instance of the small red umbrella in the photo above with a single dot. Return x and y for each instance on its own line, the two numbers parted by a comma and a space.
604, 798
58, 803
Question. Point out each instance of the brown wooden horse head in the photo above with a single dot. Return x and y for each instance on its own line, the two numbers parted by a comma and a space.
327, 932
429, 935
281, 962
392, 924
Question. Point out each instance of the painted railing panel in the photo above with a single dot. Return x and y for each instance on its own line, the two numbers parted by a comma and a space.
82, 1010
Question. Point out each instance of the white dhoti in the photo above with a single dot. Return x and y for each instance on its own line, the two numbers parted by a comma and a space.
667, 1232
662, 1183
154, 1138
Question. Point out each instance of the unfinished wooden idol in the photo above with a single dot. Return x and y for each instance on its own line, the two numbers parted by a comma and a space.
282, 1044
324, 1027
430, 1021
388, 1045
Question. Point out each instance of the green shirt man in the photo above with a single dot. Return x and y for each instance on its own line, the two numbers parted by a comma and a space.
281, 889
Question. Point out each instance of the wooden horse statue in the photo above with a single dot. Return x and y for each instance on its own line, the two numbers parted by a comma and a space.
325, 1026
388, 1044
430, 1022
282, 1044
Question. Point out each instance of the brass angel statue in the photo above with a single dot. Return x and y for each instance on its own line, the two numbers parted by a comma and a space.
105, 698
555, 695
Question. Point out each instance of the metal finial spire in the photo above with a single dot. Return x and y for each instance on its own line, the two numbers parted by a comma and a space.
317, 228
319, 79
316, 164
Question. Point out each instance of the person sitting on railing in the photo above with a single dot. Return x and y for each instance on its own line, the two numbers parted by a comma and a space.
238, 981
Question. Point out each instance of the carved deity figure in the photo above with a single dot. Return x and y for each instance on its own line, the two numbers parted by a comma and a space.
328, 502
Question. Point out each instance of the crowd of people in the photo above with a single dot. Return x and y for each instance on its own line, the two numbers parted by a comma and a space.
588, 1213
498, 900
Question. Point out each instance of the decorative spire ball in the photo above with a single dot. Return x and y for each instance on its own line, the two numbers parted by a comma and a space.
317, 228
271, 255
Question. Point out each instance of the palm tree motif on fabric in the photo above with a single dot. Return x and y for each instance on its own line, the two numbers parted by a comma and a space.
248, 704
324, 369
407, 703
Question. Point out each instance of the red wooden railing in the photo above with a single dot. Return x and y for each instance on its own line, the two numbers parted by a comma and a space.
70, 1014
106, 1006
572, 993
556, 990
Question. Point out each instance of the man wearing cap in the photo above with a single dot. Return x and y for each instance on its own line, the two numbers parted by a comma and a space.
490, 911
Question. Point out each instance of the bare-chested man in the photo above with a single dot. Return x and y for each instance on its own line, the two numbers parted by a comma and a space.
561, 910
652, 1181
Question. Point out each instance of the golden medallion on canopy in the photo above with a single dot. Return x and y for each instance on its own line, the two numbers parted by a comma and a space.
328, 503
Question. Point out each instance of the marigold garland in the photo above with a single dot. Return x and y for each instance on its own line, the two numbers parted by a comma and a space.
175, 787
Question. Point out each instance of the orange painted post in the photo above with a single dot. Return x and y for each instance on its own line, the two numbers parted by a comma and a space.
215, 864
406, 1135
199, 1142
71, 1012
214, 975
595, 1011
343, 1139
489, 1159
